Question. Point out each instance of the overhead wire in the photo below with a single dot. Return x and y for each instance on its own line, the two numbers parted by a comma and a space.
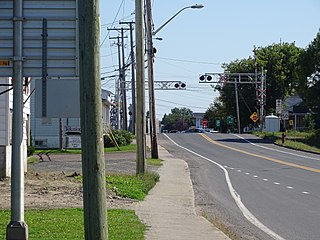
114, 20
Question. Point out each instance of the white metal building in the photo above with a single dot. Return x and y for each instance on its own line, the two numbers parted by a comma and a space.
62, 132
6, 106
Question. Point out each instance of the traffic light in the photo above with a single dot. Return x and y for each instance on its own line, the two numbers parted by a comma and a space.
180, 85
205, 78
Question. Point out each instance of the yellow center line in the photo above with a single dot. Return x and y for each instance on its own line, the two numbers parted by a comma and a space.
263, 157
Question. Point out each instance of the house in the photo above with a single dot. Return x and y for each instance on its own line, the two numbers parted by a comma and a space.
293, 105
6, 111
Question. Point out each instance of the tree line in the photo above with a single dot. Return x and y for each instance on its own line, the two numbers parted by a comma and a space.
290, 70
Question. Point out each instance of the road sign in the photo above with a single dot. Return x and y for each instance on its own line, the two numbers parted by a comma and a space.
60, 41
218, 123
230, 120
285, 116
204, 123
254, 117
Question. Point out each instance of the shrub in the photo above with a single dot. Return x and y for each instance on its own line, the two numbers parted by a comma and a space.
30, 150
122, 137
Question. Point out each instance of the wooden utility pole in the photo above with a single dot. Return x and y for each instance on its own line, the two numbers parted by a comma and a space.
93, 163
140, 87
133, 78
152, 109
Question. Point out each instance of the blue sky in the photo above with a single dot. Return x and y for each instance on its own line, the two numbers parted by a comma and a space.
200, 40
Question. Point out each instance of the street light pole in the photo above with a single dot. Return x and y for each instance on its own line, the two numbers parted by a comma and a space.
150, 33
196, 6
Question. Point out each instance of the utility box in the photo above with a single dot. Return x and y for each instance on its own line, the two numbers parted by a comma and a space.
272, 123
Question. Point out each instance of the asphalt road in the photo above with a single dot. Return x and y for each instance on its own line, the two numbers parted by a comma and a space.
251, 188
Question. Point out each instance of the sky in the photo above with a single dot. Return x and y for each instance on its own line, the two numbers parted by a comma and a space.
199, 41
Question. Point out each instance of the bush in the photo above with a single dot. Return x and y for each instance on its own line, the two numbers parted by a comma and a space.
30, 150
122, 137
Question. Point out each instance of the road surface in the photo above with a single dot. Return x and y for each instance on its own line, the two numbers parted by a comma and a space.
251, 188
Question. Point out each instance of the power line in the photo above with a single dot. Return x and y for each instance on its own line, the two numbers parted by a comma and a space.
189, 61
184, 105
114, 20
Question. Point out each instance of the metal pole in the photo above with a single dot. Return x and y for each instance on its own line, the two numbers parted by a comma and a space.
17, 228
237, 104
93, 162
262, 99
152, 109
140, 106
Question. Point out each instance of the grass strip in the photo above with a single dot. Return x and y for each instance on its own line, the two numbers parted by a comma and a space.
68, 224
132, 186
127, 148
298, 145
154, 161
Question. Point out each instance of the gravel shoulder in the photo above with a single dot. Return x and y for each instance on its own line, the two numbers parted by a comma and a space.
50, 183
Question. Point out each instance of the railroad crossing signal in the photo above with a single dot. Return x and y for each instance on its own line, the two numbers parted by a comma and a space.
254, 117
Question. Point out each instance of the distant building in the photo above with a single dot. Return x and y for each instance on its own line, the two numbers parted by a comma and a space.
198, 117
6, 111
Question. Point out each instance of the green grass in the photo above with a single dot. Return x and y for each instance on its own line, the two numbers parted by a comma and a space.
298, 145
154, 161
32, 160
131, 186
68, 224
127, 148
309, 141
58, 151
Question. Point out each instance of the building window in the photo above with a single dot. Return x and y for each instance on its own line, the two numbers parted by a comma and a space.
41, 143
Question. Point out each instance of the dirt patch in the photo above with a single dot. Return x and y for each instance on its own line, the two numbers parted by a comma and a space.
50, 184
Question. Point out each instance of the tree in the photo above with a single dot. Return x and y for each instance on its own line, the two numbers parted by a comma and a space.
179, 119
280, 61
217, 111
308, 71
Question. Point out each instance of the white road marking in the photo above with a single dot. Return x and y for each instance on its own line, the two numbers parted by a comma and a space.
277, 150
305, 192
276, 183
255, 176
247, 173
248, 215
265, 179
239, 171
289, 187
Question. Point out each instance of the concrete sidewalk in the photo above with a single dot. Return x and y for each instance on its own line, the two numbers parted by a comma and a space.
168, 210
